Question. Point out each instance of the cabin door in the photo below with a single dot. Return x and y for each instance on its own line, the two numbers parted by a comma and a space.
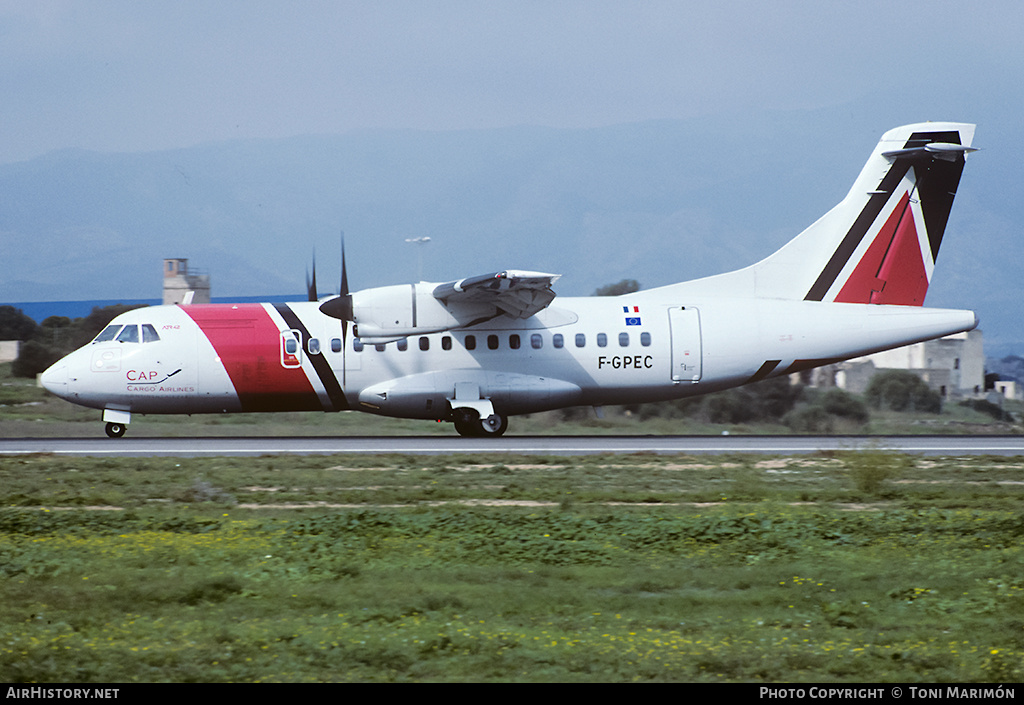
684, 323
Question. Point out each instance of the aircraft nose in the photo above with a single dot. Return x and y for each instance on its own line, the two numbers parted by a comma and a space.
55, 379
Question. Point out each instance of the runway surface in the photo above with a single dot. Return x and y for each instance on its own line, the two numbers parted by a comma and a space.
527, 445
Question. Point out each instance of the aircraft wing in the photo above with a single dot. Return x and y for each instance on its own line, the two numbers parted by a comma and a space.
516, 293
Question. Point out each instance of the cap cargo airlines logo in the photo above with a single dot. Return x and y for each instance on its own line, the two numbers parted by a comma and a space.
153, 381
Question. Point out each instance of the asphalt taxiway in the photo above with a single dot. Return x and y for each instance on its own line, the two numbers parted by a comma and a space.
525, 445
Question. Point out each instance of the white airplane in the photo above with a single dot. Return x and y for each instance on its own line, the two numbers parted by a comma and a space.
475, 351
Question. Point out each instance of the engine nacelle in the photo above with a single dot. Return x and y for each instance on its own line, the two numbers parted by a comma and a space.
389, 313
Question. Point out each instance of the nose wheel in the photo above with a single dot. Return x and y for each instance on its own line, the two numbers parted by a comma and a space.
116, 430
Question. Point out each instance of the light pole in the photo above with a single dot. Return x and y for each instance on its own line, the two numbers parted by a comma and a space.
419, 241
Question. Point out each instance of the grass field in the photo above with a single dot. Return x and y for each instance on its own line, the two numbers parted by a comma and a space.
867, 566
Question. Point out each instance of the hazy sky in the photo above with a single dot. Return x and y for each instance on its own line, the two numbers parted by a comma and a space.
141, 76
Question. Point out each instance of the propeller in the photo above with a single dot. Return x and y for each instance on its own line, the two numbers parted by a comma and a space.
311, 282
340, 306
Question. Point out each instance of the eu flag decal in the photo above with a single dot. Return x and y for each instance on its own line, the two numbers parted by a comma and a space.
632, 315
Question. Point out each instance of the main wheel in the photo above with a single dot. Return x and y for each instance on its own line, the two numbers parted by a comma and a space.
467, 427
116, 430
494, 425
467, 422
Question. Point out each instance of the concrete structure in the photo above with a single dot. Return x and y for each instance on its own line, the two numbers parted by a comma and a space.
178, 282
9, 350
953, 366
1009, 389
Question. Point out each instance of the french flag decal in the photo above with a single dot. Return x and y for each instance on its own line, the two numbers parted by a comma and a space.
632, 315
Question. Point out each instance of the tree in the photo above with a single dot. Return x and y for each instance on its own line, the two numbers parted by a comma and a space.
840, 403
33, 358
768, 400
901, 390
626, 286
15, 325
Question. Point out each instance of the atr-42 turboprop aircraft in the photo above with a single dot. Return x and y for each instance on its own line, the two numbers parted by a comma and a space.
475, 351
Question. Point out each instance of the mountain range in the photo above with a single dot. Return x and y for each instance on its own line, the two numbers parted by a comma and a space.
658, 202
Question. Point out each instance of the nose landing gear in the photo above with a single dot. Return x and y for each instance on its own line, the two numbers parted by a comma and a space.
116, 430
117, 422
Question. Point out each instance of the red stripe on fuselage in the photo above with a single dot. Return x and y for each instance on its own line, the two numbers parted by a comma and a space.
248, 343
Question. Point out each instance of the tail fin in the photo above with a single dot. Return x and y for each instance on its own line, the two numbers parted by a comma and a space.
879, 244
901, 203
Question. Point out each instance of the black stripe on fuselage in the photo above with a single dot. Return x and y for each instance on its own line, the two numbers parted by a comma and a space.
323, 368
766, 369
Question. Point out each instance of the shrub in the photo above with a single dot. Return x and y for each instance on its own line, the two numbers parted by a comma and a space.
840, 403
870, 468
900, 390
987, 407
769, 400
820, 416
810, 419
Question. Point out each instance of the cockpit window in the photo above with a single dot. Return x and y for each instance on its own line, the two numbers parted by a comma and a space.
106, 334
127, 334
130, 334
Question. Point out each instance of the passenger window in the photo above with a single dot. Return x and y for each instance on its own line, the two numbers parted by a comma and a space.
623, 340
470, 342
424, 344
313, 345
492, 342
446, 343
536, 341
513, 341
149, 334
291, 345
107, 333
602, 340
557, 340
379, 347
336, 345
581, 340
403, 344
130, 334
357, 345
645, 339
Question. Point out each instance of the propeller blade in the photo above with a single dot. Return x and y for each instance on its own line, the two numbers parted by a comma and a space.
345, 309
344, 272
340, 306
311, 282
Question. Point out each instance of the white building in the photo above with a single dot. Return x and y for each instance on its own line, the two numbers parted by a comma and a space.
1009, 389
953, 366
9, 350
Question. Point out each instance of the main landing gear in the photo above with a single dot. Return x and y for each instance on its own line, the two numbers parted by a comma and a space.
116, 430
469, 423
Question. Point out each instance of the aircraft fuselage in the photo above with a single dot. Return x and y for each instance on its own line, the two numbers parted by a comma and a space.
480, 349
224, 358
